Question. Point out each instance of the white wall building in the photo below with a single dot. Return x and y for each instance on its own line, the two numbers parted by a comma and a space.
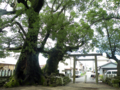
82, 65
69, 68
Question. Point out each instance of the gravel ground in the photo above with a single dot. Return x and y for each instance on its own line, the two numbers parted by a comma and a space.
70, 86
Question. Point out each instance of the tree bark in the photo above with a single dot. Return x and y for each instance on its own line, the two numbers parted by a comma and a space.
118, 68
27, 70
55, 56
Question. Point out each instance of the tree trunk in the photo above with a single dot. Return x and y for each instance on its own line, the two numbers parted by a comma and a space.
52, 63
27, 70
55, 56
118, 68
27, 67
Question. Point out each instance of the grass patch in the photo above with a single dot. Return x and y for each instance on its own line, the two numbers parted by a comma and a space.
82, 74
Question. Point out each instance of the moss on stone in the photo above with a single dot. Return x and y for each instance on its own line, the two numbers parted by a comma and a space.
54, 80
66, 80
12, 83
59, 81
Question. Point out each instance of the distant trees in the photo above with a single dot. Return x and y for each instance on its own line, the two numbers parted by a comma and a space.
106, 25
110, 41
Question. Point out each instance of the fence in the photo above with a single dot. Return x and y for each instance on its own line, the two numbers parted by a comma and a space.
6, 73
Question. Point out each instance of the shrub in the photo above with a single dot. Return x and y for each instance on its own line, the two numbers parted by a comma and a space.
12, 83
101, 77
116, 85
112, 81
115, 81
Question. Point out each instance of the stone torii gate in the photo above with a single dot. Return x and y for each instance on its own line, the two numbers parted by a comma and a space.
95, 55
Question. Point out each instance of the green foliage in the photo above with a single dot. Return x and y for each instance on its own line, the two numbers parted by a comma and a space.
34, 3
59, 81
82, 74
114, 81
29, 3
3, 54
101, 77
62, 25
95, 15
66, 80
12, 83
73, 14
117, 77
116, 85
106, 43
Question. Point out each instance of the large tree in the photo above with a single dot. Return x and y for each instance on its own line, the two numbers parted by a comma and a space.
69, 42
109, 40
106, 22
27, 70
68, 34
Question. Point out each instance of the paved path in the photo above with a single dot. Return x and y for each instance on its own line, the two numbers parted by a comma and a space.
82, 79
70, 86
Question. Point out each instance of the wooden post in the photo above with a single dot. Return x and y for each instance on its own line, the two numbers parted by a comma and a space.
96, 71
10, 72
5, 73
74, 61
85, 78
1, 73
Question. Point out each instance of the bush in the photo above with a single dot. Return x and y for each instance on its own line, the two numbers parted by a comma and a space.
117, 77
12, 83
116, 85
115, 81
112, 82
108, 81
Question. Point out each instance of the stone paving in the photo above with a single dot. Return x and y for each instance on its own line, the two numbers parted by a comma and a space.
70, 86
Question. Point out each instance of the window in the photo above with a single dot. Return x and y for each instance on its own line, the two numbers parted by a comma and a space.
114, 72
108, 72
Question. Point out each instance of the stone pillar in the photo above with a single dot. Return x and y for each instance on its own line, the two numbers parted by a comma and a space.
96, 71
